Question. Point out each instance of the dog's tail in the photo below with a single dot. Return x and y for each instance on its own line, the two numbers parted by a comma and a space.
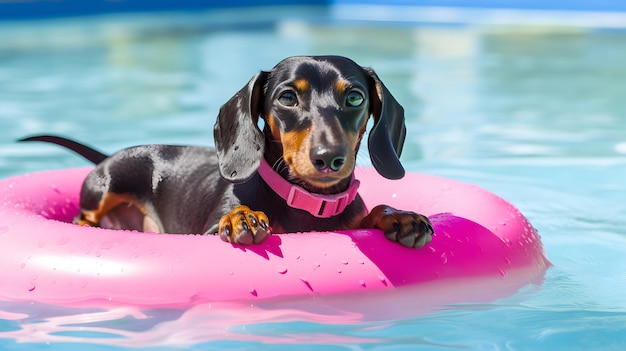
87, 152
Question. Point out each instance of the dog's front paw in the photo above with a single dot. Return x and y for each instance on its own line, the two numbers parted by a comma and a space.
244, 226
408, 228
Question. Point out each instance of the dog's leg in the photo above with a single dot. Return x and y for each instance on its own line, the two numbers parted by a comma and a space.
244, 226
408, 228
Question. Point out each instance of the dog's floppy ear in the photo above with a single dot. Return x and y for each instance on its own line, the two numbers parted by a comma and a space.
387, 135
239, 141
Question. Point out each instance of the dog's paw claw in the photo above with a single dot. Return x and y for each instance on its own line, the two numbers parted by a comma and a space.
408, 228
244, 227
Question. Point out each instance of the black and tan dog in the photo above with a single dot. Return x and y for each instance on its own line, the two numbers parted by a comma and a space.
295, 175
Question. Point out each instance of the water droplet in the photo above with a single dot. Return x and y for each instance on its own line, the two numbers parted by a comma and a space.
502, 272
316, 264
344, 262
361, 262
382, 279
281, 270
338, 270
306, 282
63, 240
362, 283
444, 258
253, 291
32, 287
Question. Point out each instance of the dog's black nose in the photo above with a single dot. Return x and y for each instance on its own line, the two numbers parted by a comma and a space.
328, 159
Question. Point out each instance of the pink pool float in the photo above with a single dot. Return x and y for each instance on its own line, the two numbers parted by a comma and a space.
46, 259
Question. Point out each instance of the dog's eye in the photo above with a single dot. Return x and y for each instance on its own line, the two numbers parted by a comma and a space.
354, 99
288, 98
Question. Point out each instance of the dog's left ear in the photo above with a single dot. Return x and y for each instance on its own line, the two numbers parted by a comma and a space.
239, 141
387, 135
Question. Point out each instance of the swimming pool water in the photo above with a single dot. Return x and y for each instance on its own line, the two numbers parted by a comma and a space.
534, 114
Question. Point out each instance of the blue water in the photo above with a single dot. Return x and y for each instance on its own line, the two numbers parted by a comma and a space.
534, 114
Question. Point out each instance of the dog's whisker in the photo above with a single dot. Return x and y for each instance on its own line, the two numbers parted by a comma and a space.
280, 165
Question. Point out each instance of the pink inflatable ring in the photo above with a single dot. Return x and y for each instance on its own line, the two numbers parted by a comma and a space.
46, 259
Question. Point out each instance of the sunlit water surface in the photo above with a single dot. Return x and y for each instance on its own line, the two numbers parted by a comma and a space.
536, 115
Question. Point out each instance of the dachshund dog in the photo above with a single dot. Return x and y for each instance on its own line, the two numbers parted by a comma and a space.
295, 174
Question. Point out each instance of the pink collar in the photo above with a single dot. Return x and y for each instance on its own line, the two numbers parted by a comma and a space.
322, 206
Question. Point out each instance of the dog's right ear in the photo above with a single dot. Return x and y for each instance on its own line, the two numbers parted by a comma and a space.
239, 141
387, 136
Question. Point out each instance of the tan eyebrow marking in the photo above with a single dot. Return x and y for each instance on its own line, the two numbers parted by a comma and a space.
301, 84
341, 86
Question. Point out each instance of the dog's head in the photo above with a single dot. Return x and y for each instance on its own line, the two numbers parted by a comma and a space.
315, 110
